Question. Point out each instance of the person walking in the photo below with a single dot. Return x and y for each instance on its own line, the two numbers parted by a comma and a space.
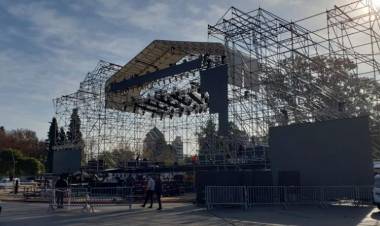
158, 191
60, 188
149, 192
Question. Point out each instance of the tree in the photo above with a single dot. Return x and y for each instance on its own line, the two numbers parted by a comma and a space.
61, 136
108, 159
211, 143
237, 140
122, 155
321, 88
14, 163
168, 156
8, 161
302, 89
74, 135
208, 139
52, 141
30, 166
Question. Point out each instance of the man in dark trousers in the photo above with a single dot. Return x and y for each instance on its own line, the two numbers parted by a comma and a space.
60, 188
16, 186
149, 192
158, 190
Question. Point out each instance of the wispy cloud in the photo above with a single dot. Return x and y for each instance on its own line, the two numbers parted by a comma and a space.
46, 47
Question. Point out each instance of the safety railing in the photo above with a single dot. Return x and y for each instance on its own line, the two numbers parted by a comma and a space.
226, 195
249, 196
89, 198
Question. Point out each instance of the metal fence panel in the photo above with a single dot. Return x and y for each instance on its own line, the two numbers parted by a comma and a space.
88, 198
248, 196
226, 195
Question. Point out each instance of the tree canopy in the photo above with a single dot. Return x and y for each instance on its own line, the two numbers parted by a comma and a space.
14, 163
24, 140
319, 89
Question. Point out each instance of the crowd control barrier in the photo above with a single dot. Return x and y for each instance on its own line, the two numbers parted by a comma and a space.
249, 196
90, 198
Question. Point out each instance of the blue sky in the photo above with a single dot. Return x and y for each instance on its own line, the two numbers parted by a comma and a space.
46, 47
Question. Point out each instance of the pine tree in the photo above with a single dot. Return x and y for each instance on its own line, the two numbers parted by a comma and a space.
52, 140
61, 136
74, 134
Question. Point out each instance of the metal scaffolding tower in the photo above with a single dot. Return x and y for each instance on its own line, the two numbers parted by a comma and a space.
279, 71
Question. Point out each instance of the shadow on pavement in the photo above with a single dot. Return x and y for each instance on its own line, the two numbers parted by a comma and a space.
300, 215
376, 215
178, 214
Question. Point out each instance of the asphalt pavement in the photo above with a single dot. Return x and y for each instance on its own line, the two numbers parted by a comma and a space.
38, 214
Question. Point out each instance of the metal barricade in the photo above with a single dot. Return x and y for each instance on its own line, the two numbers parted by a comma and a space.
339, 194
264, 195
226, 195
78, 197
364, 195
303, 195
248, 196
89, 198
111, 195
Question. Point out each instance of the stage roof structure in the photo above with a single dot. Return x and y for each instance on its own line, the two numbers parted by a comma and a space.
160, 54
157, 56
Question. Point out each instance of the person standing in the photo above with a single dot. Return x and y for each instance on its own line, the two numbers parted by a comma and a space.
16, 186
149, 192
60, 188
158, 191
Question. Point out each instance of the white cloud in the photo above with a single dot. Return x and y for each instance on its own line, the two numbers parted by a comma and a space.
66, 46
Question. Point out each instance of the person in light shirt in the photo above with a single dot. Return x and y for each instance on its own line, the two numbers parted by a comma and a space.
149, 192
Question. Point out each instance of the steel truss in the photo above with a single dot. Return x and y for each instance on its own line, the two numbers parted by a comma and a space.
104, 129
270, 49
293, 58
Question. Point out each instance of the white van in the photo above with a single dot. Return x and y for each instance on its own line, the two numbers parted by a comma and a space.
376, 191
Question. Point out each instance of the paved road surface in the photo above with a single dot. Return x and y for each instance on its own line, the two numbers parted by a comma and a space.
36, 214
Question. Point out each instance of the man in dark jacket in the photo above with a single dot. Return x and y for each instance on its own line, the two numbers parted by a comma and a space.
158, 191
60, 188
